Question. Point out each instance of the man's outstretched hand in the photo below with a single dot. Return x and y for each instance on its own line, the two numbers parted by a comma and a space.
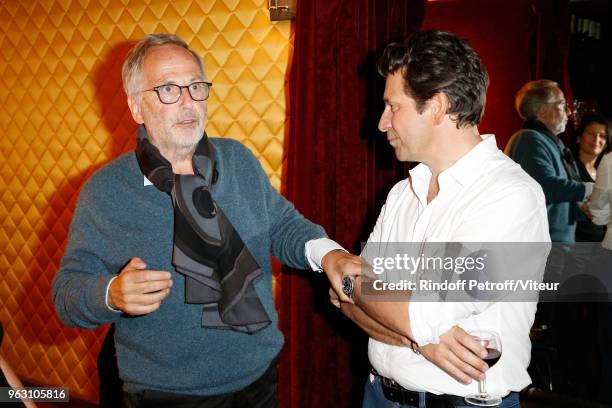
337, 264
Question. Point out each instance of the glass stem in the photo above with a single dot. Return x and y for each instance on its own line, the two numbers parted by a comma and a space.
482, 387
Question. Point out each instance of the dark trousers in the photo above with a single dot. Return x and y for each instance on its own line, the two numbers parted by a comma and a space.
261, 394
111, 386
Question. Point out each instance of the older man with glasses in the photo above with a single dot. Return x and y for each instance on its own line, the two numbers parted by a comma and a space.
172, 244
541, 153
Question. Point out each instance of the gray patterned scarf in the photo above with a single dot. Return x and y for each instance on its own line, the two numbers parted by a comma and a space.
219, 269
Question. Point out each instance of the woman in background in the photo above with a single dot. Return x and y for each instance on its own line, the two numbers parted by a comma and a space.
592, 142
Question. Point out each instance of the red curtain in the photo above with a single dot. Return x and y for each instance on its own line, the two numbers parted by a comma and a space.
518, 41
338, 172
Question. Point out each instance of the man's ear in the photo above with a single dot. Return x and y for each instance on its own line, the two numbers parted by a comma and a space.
438, 106
135, 109
541, 114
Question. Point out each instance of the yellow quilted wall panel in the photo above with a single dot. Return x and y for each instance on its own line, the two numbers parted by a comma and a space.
63, 114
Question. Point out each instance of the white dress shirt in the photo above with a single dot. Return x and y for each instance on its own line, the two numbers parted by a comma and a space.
601, 200
483, 197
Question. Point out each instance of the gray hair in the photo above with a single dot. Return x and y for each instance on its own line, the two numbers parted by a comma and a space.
131, 72
532, 95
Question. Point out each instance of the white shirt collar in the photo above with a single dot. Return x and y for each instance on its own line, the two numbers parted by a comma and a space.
146, 181
468, 168
463, 171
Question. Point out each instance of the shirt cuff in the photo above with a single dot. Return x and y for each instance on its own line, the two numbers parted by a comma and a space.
429, 320
316, 249
588, 190
423, 332
106, 297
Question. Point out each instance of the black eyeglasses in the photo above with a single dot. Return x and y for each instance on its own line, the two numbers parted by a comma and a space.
171, 93
562, 103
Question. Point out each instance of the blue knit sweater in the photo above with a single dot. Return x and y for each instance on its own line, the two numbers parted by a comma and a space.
118, 218
540, 157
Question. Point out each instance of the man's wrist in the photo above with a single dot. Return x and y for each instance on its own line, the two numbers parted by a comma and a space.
414, 347
316, 249
329, 255
107, 299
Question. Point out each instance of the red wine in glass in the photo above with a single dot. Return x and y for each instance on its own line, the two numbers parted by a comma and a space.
493, 356
492, 342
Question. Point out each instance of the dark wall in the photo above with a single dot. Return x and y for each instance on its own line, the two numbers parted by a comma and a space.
590, 54
523, 40
499, 31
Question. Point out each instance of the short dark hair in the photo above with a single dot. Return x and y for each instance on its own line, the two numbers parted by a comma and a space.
436, 61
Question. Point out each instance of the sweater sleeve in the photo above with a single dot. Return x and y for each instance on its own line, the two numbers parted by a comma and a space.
79, 287
288, 229
535, 158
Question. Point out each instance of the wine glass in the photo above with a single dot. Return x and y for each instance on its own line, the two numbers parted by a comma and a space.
492, 342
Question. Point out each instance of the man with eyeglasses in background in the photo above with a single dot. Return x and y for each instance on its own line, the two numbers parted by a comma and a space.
540, 151
172, 244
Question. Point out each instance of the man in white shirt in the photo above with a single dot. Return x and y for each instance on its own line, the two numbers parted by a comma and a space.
465, 190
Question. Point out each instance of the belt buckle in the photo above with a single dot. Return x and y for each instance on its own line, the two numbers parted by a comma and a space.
388, 382
396, 393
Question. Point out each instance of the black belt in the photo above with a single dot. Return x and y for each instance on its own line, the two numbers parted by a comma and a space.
396, 393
